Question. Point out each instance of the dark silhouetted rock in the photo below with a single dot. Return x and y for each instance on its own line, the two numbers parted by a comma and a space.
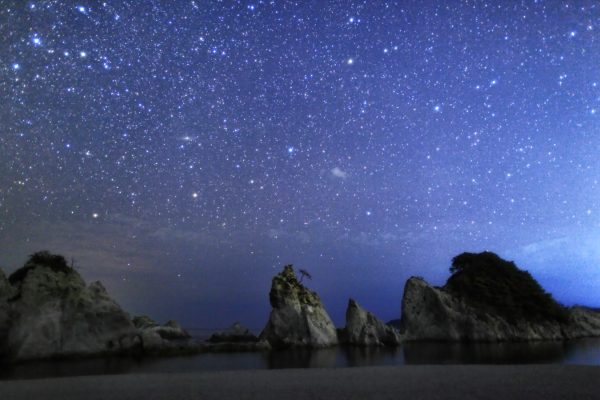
6, 293
365, 329
298, 317
234, 334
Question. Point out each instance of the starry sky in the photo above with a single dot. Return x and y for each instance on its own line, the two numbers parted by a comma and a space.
183, 152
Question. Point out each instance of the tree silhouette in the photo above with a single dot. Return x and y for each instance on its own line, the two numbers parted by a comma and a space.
304, 273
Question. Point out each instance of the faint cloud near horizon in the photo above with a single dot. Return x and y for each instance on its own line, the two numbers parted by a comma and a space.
543, 248
581, 254
338, 173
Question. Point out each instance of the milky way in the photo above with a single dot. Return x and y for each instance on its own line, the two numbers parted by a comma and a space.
183, 152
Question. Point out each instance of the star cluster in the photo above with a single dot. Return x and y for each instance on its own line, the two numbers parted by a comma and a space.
166, 143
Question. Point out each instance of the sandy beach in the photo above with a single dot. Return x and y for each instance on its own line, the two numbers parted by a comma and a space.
405, 382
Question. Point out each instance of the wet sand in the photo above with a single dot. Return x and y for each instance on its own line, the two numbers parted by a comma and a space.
459, 382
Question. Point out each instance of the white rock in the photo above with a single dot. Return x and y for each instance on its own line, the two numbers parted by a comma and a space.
365, 329
55, 315
298, 317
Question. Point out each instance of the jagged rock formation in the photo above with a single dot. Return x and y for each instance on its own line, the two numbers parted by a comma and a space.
489, 299
47, 311
298, 317
365, 329
162, 338
55, 314
237, 333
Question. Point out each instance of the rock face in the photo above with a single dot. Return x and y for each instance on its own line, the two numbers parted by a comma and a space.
55, 314
6, 292
298, 317
431, 313
583, 322
365, 329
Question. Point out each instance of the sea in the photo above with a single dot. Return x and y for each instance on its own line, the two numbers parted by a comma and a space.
581, 351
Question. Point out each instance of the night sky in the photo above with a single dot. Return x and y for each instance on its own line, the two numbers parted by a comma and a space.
183, 152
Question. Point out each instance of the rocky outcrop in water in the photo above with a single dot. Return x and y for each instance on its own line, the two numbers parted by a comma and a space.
365, 329
162, 338
298, 317
54, 313
48, 311
430, 313
489, 299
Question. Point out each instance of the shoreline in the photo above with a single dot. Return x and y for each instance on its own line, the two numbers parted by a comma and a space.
398, 382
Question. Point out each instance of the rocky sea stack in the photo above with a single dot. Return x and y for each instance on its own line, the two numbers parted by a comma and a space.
365, 329
298, 318
489, 299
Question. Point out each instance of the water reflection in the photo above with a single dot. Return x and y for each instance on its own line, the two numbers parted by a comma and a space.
486, 353
303, 358
367, 356
585, 351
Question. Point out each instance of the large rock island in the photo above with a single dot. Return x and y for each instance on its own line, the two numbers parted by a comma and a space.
489, 299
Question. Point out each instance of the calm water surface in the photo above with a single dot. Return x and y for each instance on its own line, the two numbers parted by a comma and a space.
584, 351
